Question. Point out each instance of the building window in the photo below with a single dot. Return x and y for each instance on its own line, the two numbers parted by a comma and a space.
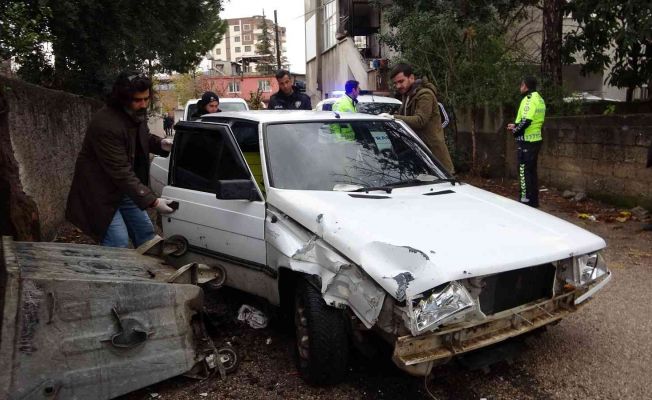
218, 51
247, 38
237, 49
247, 49
236, 38
246, 27
330, 23
234, 87
264, 86
236, 28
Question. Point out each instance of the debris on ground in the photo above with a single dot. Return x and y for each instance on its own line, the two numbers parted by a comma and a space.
252, 316
580, 196
568, 194
624, 216
586, 216
639, 212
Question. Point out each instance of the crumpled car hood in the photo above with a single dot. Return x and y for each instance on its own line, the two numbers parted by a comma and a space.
409, 242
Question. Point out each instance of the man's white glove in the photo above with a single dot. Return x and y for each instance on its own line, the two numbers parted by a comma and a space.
390, 116
166, 144
161, 205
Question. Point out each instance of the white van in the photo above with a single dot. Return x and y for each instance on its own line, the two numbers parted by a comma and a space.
226, 104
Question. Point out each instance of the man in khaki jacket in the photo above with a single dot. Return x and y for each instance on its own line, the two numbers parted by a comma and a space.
421, 112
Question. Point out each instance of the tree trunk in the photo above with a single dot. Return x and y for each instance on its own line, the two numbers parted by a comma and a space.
474, 151
551, 44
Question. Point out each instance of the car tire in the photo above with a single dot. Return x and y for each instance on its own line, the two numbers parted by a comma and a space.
321, 337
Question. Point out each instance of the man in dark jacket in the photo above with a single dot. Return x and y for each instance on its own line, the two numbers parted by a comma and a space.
109, 192
288, 96
420, 112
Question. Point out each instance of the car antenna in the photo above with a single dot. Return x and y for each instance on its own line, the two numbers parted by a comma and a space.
336, 115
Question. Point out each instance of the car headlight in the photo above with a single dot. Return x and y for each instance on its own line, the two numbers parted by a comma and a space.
432, 311
590, 267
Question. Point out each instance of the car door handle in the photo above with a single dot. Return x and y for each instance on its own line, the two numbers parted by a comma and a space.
174, 205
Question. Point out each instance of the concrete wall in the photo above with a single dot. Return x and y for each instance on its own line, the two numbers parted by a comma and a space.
41, 132
602, 155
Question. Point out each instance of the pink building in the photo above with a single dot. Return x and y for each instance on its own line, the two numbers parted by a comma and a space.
241, 85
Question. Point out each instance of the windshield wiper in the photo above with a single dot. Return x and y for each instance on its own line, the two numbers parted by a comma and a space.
410, 182
452, 181
371, 188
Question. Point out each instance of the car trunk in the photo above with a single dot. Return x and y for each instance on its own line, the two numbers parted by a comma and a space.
93, 322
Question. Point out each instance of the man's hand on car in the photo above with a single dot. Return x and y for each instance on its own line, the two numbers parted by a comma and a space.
163, 206
386, 115
166, 144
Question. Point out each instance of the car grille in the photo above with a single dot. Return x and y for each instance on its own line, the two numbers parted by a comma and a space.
517, 287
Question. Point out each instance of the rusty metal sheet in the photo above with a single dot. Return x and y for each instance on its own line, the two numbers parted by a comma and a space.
90, 322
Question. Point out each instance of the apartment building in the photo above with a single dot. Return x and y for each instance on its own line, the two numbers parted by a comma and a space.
239, 43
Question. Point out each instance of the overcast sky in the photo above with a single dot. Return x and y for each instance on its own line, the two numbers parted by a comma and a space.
290, 15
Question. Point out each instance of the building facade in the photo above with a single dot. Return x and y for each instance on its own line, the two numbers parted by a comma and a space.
239, 43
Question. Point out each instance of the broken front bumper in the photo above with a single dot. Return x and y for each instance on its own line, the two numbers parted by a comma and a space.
417, 354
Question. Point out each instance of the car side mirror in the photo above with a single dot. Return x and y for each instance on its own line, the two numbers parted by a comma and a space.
236, 189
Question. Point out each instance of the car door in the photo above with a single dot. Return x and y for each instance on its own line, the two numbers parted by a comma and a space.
203, 154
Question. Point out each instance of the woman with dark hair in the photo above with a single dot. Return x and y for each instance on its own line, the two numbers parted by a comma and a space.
109, 192
208, 104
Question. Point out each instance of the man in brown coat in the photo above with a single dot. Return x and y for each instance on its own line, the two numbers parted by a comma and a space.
421, 112
109, 192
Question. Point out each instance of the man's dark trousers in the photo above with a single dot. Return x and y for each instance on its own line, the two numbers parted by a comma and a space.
528, 154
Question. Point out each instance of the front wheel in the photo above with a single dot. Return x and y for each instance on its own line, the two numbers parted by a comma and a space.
322, 341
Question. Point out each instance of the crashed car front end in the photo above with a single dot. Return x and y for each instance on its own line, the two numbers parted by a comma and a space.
467, 315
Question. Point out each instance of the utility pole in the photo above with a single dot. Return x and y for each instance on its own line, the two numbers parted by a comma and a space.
278, 48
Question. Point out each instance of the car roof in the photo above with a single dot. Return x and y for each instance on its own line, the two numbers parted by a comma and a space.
222, 100
266, 116
366, 98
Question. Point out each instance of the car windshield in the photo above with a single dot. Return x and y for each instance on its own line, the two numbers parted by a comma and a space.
378, 108
348, 156
235, 106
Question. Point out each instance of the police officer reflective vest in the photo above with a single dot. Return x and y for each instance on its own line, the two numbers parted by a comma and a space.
532, 108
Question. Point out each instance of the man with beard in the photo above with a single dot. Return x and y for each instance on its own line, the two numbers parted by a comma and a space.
109, 192
421, 111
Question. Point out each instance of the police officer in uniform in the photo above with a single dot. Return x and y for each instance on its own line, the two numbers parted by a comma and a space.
288, 96
349, 101
527, 132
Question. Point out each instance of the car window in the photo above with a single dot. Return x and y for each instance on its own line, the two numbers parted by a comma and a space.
378, 108
330, 155
236, 106
327, 107
202, 158
192, 109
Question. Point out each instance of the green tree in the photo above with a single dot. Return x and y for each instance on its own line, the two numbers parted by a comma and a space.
462, 48
266, 62
24, 34
612, 35
91, 40
187, 86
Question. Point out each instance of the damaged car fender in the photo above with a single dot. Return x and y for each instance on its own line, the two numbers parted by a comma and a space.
342, 283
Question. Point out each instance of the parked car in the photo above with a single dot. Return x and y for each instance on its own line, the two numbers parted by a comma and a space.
226, 104
367, 103
351, 224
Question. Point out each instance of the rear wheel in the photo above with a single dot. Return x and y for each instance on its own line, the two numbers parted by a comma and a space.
322, 341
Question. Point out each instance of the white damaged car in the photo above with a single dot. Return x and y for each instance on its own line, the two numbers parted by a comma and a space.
348, 222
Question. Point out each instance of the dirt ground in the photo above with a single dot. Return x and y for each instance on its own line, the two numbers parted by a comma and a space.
601, 352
